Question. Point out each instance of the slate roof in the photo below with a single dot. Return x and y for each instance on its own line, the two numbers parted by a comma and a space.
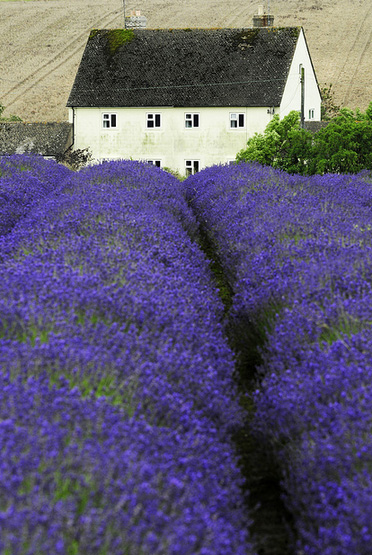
47, 139
315, 126
180, 67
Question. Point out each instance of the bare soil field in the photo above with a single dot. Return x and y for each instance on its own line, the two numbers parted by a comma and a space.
42, 41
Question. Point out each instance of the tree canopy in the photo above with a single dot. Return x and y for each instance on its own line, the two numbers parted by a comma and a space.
343, 146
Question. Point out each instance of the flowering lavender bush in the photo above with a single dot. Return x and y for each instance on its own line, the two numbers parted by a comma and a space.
25, 181
116, 398
298, 253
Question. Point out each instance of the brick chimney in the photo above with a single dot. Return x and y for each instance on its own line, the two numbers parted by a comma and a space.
262, 19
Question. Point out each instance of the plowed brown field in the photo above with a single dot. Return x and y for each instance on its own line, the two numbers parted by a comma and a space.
41, 42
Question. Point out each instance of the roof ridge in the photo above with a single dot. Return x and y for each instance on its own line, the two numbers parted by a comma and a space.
242, 66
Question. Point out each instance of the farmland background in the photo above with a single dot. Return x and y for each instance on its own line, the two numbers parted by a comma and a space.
41, 42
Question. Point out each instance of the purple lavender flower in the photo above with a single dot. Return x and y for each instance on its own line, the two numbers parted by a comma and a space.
297, 252
117, 402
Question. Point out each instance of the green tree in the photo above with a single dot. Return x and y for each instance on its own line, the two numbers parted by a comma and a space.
345, 144
283, 144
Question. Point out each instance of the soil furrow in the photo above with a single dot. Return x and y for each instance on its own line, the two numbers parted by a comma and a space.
272, 524
34, 78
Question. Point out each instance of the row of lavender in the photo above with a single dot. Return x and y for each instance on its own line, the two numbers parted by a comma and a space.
298, 253
24, 183
117, 403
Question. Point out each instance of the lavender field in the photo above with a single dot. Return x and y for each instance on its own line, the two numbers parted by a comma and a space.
117, 398
298, 254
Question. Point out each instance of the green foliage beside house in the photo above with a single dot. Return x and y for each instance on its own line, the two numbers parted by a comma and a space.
343, 146
283, 145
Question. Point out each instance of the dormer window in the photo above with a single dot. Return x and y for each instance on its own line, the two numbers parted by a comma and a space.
109, 120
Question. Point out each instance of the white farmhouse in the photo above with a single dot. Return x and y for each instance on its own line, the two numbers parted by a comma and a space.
188, 98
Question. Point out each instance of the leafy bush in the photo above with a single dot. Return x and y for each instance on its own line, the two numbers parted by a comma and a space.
343, 146
282, 145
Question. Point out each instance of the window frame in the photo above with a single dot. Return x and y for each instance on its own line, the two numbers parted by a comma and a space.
157, 163
237, 119
311, 114
190, 167
154, 118
111, 119
193, 118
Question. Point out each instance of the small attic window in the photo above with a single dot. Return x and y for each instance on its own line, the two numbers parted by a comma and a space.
109, 120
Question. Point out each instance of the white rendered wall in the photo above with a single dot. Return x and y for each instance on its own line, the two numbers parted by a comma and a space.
291, 99
213, 142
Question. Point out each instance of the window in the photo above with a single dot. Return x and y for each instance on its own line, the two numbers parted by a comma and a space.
192, 166
237, 120
153, 120
311, 113
191, 120
109, 121
156, 163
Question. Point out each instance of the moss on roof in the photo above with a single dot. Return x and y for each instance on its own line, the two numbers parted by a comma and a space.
117, 37
184, 67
